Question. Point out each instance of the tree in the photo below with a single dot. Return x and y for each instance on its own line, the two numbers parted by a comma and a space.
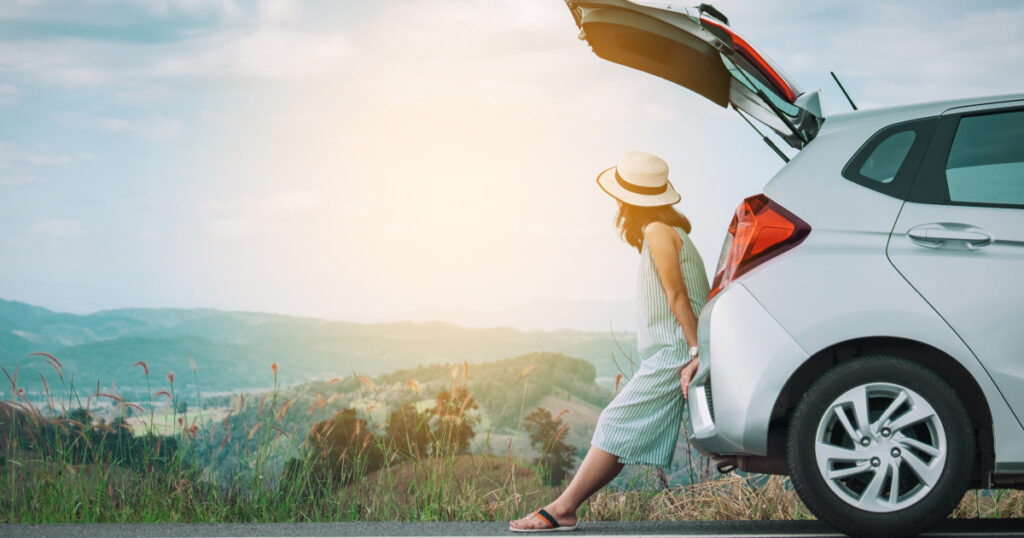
408, 431
453, 426
343, 447
556, 458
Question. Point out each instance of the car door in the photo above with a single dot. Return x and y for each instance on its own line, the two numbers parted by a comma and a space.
696, 48
959, 239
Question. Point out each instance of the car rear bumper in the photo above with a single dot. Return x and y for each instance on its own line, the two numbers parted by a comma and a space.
741, 350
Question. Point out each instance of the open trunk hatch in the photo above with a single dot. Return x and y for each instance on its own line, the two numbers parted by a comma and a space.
695, 48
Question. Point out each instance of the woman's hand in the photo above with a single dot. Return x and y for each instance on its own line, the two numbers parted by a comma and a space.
686, 374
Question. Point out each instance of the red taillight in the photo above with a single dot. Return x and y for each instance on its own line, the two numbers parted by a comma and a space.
760, 230
750, 53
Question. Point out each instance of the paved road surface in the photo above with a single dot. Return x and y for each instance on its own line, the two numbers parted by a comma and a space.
1002, 528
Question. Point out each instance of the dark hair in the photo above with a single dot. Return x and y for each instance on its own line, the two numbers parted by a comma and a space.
632, 219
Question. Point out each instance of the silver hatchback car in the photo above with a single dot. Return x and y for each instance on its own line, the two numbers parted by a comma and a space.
865, 331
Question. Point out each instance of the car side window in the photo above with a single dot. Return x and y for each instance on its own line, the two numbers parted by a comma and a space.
888, 161
882, 164
986, 160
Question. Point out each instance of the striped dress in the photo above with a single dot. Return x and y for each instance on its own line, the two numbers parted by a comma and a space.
641, 424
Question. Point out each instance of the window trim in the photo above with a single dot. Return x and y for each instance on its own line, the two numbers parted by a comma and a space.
931, 186
902, 182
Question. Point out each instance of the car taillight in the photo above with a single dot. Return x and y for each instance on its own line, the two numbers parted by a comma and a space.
760, 230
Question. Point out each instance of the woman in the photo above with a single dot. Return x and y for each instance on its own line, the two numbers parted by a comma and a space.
641, 424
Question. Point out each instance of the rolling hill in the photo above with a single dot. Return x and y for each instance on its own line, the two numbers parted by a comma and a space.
233, 350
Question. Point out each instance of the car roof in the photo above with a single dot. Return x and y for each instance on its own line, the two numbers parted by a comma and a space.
894, 114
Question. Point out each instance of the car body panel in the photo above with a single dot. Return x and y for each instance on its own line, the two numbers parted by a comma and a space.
822, 301
742, 416
978, 291
966, 259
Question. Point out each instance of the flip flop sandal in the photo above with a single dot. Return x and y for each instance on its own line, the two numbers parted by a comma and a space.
554, 525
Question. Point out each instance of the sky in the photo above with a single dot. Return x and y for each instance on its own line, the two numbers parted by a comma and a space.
398, 160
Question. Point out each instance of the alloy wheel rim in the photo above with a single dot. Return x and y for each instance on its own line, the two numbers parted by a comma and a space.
880, 447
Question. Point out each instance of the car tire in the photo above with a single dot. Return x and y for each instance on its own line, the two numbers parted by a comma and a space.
849, 482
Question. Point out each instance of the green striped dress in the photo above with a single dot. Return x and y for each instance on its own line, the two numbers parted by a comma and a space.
641, 424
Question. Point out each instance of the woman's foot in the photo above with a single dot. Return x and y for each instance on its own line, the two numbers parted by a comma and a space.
564, 517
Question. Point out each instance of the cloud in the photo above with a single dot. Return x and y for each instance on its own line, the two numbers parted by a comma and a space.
19, 165
278, 11
9, 95
249, 214
266, 52
57, 229
145, 42
149, 128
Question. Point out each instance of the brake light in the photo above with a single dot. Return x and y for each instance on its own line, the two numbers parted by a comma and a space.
760, 230
750, 53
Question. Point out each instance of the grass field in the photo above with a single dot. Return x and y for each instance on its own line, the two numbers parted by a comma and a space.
59, 466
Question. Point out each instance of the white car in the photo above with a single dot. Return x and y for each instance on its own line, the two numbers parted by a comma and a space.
865, 331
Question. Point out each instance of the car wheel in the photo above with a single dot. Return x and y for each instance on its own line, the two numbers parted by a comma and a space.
880, 446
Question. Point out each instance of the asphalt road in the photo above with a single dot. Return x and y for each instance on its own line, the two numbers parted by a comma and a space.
1003, 528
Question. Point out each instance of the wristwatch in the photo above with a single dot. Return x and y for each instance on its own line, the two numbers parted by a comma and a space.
693, 352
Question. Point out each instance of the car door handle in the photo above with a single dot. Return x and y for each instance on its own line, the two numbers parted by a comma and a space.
937, 235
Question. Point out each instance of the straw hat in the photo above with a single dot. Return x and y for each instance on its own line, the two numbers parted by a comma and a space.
639, 179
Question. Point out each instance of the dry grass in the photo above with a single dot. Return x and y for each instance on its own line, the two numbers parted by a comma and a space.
731, 498
494, 488
991, 504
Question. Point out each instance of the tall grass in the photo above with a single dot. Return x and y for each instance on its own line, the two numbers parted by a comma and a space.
59, 462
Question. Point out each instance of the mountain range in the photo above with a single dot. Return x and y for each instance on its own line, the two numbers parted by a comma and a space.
234, 351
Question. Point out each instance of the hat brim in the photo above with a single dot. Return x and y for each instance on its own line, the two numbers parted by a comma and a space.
606, 180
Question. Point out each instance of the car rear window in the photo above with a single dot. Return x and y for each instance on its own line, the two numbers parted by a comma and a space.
986, 160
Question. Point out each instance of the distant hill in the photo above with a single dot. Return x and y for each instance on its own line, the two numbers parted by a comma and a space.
233, 350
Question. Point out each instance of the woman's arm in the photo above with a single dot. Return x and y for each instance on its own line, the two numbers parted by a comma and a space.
664, 244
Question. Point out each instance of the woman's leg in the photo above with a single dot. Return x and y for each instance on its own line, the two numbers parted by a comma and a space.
598, 468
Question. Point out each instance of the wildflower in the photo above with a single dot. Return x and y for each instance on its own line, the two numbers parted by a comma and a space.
618, 378
145, 368
413, 384
170, 377
131, 405
366, 381
525, 371
46, 356
263, 400
273, 368
51, 361
285, 407
316, 405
